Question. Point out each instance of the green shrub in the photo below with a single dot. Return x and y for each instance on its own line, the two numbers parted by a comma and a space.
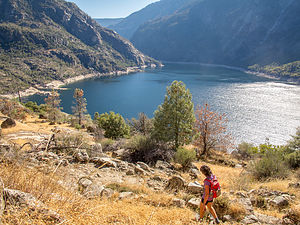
143, 147
245, 149
293, 159
114, 125
140, 142
106, 142
142, 125
270, 165
33, 106
185, 156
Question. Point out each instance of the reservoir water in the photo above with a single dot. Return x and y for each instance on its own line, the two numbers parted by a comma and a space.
256, 107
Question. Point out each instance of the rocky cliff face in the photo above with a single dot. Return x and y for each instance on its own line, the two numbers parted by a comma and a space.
233, 32
56, 39
130, 24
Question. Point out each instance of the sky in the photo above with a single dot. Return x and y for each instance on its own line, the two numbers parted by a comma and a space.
111, 8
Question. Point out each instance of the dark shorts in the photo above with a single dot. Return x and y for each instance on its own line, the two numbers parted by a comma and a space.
207, 201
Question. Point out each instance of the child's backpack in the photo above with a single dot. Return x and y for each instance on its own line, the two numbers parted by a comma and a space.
214, 187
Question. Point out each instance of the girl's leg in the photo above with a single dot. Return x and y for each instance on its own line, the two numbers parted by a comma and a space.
202, 210
211, 209
213, 212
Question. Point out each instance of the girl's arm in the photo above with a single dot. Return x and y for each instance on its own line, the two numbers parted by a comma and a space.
206, 194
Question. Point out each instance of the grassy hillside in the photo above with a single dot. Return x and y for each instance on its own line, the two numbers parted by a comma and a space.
55, 183
286, 70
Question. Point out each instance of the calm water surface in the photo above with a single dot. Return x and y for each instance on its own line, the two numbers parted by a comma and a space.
256, 107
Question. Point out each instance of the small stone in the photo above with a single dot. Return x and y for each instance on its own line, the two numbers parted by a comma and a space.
107, 193
227, 218
126, 195
178, 202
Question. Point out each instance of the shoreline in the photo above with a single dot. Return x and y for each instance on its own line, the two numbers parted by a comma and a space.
57, 84
288, 79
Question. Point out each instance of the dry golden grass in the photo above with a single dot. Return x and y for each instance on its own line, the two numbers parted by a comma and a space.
224, 174
154, 208
237, 211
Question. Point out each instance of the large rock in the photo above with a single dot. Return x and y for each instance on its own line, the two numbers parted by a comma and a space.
104, 162
195, 188
176, 183
21, 199
8, 123
194, 202
246, 203
81, 156
265, 219
251, 219
144, 166
96, 151
90, 188
279, 202
139, 170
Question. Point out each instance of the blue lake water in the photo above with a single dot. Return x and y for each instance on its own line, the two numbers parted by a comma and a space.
256, 107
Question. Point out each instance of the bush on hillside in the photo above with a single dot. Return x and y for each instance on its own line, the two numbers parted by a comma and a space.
146, 149
221, 205
185, 156
293, 159
69, 143
142, 125
270, 165
114, 125
245, 150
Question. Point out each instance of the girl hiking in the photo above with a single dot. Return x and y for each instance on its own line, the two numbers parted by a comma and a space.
208, 196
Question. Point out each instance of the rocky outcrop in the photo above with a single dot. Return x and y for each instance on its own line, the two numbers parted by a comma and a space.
21, 199
8, 123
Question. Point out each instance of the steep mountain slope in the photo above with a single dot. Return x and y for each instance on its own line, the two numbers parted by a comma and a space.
44, 40
130, 24
232, 32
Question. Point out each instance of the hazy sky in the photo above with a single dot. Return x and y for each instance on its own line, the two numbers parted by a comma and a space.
111, 8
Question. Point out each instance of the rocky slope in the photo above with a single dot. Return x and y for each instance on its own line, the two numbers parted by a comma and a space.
130, 24
44, 40
59, 186
233, 32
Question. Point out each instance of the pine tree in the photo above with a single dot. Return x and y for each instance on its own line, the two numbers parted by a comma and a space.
79, 109
174, 119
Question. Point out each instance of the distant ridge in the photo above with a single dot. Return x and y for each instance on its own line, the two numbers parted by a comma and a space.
232, 32
162, 8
